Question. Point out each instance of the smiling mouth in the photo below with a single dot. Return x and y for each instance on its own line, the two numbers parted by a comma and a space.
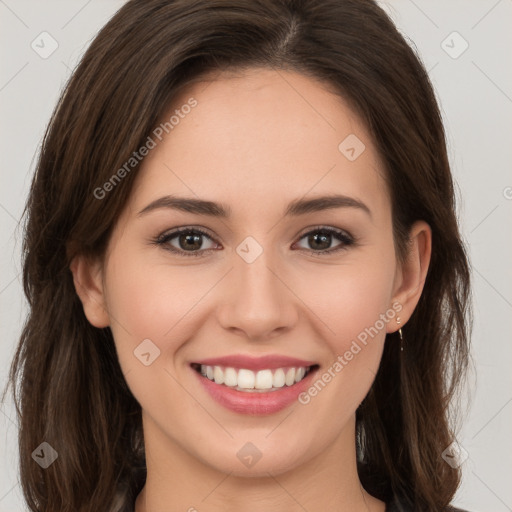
248, 381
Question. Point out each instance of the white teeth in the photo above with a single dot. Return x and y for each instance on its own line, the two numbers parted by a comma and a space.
263, 379
218, 375
230, 377
290, 377
278, 380
244, 379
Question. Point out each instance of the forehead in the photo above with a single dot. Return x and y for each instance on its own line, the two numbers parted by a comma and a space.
261, 137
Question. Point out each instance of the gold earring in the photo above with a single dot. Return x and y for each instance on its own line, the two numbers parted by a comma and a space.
400, 334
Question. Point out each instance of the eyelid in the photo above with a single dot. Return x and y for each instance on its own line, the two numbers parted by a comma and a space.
347, 238
185, 229
322, 227
164, 239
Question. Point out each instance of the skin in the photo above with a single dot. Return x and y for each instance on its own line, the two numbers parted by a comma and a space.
287, 301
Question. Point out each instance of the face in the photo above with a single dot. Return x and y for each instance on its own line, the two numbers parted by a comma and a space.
260, 288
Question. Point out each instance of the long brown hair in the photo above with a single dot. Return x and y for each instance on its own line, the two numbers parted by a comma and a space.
67, 384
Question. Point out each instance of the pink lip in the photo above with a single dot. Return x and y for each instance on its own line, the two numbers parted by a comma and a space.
270, 361
256, 403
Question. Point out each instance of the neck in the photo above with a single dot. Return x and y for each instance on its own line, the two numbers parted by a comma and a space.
176, 480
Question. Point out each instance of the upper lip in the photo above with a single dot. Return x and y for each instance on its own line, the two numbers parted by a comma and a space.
270, 361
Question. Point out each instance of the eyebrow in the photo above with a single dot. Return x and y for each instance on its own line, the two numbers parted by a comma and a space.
295, 208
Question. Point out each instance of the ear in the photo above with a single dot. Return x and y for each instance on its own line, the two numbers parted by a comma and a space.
411, 275
88, 281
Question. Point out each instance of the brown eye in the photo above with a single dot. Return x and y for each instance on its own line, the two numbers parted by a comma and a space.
320, 239
186, 241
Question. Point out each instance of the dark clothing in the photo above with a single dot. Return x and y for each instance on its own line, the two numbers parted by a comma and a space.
396, 506
393, 506
126, 502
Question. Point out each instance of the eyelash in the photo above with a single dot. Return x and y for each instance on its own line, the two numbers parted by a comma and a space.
163, 239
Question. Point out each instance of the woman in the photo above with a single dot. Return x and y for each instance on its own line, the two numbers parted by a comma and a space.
189, 345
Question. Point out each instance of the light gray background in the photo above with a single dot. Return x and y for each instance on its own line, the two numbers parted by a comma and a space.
475, 93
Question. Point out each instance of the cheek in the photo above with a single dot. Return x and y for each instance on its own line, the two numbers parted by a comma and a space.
155, 301
353, 302
355, 310
348, 298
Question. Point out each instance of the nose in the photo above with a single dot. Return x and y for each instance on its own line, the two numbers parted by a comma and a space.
257, 301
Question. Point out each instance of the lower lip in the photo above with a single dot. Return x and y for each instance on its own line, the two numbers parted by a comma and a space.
255, 403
